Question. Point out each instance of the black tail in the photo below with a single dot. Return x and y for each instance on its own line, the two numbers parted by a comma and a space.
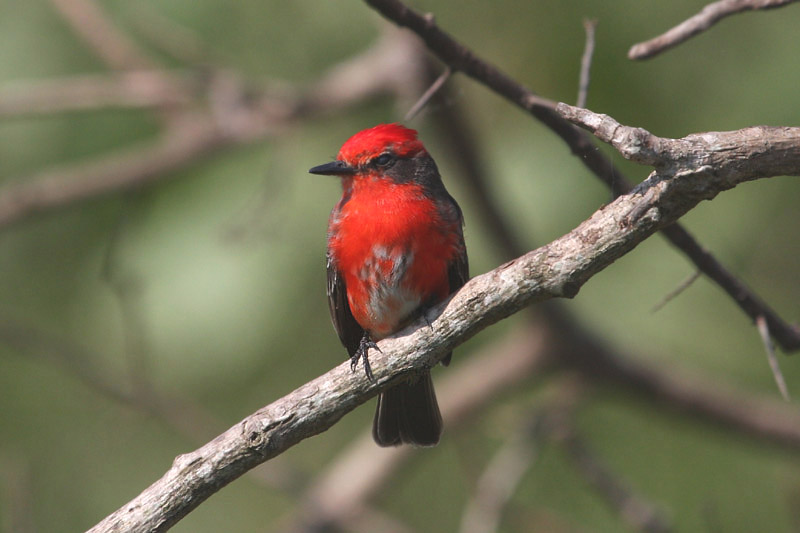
408, 414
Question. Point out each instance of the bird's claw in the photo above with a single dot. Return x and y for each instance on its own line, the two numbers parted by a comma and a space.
361, 353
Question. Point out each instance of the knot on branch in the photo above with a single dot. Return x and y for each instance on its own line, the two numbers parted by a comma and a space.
258, 431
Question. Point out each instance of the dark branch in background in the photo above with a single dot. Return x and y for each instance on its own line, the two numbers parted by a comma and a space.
252, 121
714, 404
696, 151
710, 15
636, 512
460, 58
456, 134
556, 270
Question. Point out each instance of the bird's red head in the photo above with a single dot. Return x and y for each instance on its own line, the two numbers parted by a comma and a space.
371, 149
384, 138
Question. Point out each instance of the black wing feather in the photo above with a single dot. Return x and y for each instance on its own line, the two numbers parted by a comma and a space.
350, 333
458, 269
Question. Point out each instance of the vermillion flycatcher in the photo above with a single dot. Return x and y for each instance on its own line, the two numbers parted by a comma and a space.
395, 248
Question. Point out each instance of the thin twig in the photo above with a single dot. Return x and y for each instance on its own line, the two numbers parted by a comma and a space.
462, 59
589, 26
710, 15
763, 330
425, 98
685, 284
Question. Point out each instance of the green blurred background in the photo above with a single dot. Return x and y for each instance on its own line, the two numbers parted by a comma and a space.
209, 286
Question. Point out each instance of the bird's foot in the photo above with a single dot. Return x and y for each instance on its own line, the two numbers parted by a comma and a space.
361, 353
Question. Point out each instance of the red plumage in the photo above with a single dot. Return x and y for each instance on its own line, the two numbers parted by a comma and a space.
395, 247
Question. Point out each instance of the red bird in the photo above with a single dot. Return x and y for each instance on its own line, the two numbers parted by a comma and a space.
395, 248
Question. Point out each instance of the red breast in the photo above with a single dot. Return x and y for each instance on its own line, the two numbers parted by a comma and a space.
393, 248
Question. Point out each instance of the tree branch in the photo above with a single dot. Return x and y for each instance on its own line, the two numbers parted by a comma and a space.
710, 15
347, 487
460, 58
341, 493
558, 269
754, 152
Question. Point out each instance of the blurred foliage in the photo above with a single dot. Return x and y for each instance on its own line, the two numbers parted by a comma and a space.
222, 265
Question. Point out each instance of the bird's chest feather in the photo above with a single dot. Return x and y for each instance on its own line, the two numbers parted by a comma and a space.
392, 248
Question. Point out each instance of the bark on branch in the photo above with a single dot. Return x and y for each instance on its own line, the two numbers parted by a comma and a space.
751, 153
558, 269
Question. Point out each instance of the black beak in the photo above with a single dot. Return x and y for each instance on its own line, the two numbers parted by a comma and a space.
334, 168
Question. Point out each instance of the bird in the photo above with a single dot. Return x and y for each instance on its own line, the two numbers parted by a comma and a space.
395, 247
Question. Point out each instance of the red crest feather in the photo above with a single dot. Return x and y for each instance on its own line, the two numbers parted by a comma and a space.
374, 141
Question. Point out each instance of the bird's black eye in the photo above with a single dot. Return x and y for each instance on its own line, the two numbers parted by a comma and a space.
383, 160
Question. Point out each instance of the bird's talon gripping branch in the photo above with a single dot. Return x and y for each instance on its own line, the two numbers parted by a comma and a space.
363, 347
